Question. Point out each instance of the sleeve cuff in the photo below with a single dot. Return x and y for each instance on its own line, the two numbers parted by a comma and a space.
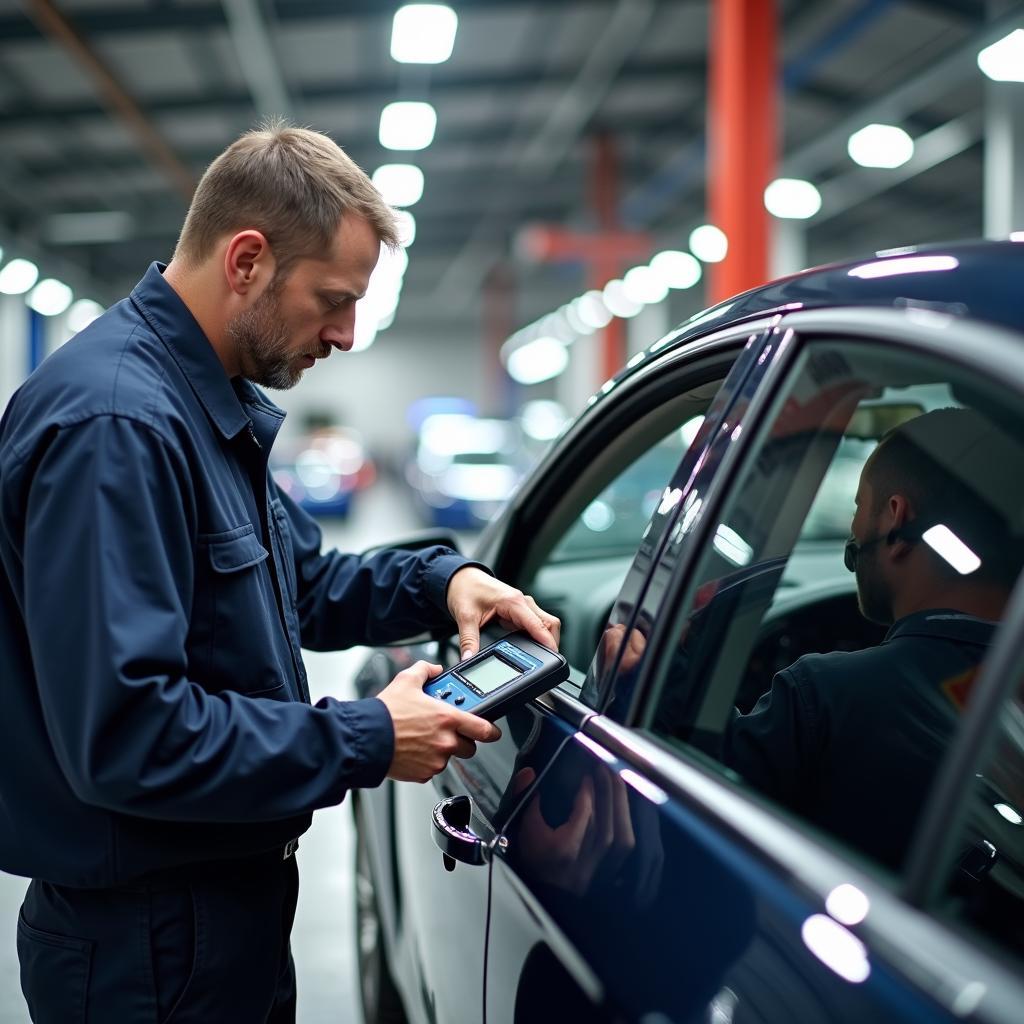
372, 735
439, 574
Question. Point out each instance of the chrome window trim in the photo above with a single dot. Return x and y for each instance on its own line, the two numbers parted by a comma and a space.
943, 964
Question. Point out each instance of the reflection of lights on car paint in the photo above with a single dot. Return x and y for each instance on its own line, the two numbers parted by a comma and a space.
669, 499
636, 360
837, 948
731, 546
904, 265
691, 510
607, 385
968, 998
948, 546
1009, 814
722, 1007
644, 786
847, 904
595, 748
689, 430
708, 315
598, 516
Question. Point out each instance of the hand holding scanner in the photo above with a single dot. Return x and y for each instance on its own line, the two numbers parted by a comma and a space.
502, 676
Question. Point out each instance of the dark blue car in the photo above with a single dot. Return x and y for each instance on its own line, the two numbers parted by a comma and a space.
613, 860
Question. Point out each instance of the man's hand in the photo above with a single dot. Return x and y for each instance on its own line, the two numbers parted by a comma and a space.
474, 599
427, 731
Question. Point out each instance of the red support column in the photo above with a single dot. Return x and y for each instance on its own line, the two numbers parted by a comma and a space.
743, 134
605, 198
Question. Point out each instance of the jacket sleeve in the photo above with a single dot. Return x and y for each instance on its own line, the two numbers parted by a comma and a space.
773, 746
108, 551
347, 599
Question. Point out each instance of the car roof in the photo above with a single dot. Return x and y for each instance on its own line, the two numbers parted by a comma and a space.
978, 280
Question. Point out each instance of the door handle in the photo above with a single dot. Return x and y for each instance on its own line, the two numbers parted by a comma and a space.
452, 834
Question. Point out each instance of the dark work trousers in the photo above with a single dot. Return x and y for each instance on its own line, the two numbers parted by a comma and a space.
207, 946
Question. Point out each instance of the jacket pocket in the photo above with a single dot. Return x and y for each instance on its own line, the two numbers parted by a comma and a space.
54, 974
235, 637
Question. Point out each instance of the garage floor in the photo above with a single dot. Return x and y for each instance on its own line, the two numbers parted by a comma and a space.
323, 938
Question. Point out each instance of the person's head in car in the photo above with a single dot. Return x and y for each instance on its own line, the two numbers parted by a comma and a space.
935, 524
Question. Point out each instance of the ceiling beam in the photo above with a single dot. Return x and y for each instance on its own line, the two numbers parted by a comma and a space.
114, 95
257, 58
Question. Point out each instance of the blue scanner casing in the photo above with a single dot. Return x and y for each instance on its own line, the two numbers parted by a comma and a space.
509, 672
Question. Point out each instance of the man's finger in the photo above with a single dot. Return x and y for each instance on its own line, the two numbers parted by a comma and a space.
464, 748
551, 622
469, 638
473, 727
524, 617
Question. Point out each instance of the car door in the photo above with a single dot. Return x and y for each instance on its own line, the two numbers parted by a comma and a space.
642, 877
570, 537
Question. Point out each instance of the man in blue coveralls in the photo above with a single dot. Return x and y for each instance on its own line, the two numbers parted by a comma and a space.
159, 755
852, 740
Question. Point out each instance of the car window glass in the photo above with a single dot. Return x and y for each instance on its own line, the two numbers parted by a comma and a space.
594, 530
759, 677
986, 889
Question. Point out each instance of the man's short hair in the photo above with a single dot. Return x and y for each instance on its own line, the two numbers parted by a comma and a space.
954, 466
292, 184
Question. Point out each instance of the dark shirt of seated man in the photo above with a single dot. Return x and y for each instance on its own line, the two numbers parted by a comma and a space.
852, 740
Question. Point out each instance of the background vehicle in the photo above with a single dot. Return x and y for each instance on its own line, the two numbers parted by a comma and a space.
324, 470
612, 868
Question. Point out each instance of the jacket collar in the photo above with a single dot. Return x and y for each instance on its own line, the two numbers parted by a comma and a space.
174, 324
944, 622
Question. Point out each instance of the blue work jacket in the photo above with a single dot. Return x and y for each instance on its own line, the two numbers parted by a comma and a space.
156, 588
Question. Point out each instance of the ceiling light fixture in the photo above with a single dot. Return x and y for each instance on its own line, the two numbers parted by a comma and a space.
399, 184
407, 125
423, 33
792, 199
709, 243
1003, 61
880, 145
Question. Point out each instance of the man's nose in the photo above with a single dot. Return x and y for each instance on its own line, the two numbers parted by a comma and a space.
333, 336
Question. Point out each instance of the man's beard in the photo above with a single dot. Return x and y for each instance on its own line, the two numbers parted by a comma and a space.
262, 343
873, 597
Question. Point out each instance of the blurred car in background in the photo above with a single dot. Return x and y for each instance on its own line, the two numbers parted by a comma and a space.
323, 470
465, 468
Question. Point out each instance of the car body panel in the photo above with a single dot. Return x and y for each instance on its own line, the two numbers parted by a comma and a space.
689, 899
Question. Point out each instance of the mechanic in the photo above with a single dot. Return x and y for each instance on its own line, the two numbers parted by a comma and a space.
852, 740
159, 756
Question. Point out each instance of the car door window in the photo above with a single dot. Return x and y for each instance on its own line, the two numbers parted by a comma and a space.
986, 890
924, 465
576, 567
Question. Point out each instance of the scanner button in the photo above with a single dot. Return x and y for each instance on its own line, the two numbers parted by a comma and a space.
460, 698
445, 693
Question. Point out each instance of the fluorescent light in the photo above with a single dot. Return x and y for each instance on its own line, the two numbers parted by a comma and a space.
645, 285
543, 420
904, 265
948, 546
407, 125
709, 243
18, 276
423, 33
50, 297
82, 313
575, 321
677, 269
399, 184
618, 302
592, 310
537, 360
880, 145
792, 199
1003, 61
365, 328
406, 228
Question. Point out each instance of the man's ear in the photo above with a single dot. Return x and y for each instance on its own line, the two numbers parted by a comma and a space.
900, 513
248, 263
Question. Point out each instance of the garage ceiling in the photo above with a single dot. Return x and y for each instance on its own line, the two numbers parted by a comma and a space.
528, 88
